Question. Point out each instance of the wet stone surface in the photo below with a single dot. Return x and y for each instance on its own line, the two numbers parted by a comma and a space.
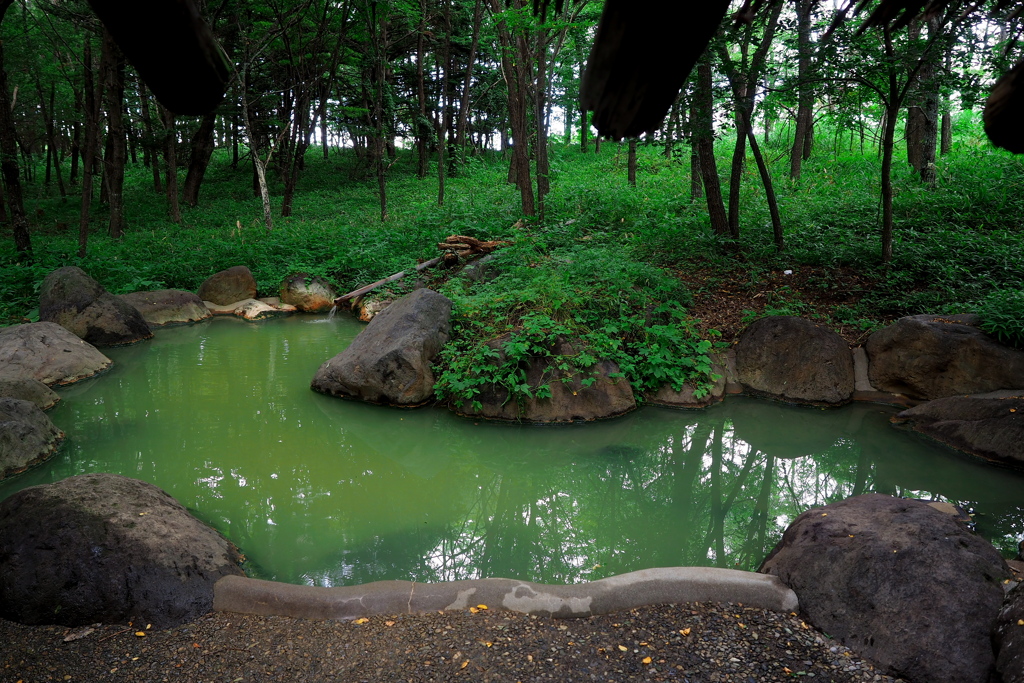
698, 643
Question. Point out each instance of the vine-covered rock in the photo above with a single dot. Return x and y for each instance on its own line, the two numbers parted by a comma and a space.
75, 301
559, 391
795, 359
389, 361
106, 548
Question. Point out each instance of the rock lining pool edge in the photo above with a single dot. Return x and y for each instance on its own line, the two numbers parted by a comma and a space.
663, 585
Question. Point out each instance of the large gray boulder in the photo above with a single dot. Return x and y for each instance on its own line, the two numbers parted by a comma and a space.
989, 426
901, 583
229, 286
28, 389
49, 353
389, 361
796, 360
931, 356
308, 294
106, 548
72, 299
27, 437
572, 397
168, 306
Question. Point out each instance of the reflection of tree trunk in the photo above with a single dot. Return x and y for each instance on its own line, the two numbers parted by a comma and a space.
716, 534
861, 478
683, 505
754, 548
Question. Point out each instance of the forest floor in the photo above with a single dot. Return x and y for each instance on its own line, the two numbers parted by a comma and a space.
698, 642
727, 301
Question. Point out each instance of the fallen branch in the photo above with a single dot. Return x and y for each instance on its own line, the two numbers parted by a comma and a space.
391, 278
454, 246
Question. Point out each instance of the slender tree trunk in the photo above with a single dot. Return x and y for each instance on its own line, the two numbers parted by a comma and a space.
115, 161
445, 113
543, 168
947, 133
92, 96
171, 155
199, 159
631, 162
51, 135
460, 134
739, 155
704, 133
147, 122
515, 70
584, 130
888, 141
769, 190
805, 95
9, 161
422, 129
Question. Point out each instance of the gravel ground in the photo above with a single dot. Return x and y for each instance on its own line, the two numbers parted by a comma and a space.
695, 643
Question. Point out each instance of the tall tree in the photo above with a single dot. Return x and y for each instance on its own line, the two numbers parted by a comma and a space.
9, 160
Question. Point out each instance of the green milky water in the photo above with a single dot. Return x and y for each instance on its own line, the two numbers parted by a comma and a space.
322, 491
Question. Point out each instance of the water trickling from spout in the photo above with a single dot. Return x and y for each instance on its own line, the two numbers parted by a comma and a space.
334, 309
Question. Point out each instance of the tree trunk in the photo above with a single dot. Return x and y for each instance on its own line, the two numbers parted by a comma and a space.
199, 160
154, 153
543, 168
422, 128
51, 135
463, 125
92, 96
171, 156
113, 172
704, 133
888, 141
947, 133
631, 162
515, 70
9, 161
805, 94
584, 130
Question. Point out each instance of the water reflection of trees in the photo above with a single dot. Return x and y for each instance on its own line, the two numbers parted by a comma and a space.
719, 490
330, 492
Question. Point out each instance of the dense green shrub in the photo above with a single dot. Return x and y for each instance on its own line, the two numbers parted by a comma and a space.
1002, 316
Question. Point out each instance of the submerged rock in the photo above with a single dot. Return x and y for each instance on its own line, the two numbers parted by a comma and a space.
389, 361
578, 394
72, 299
989, 426
794, 359
106, 548
168, 306
901, 583
27, 437
229, 286
307, 293
49, 353
930, 356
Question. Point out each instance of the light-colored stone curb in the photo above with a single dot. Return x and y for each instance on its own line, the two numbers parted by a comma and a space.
626, 591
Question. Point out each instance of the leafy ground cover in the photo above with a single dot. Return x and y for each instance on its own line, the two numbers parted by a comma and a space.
633, 272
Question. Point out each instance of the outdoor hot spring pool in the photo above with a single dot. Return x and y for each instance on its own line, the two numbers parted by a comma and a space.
321, 491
